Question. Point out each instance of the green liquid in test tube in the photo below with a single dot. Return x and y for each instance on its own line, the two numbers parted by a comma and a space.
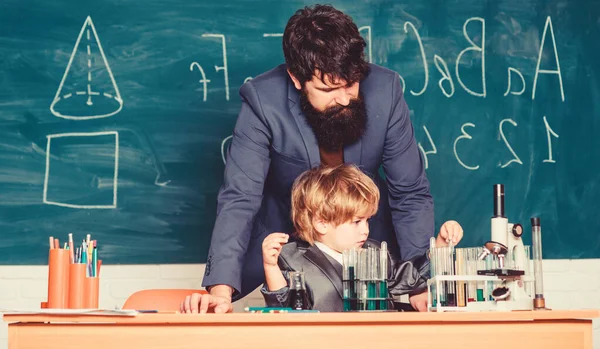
383, 271
345, 279
372, 279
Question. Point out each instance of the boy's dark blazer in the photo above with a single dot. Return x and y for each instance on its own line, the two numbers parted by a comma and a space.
323, 276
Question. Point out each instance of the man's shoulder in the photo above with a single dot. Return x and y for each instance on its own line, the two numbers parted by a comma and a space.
275, 77
270, 87
379, 82
377, 72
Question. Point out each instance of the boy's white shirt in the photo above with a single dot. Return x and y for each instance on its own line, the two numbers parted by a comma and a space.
331, 252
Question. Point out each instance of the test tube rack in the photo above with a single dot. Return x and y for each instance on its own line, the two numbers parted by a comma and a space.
460, 282
365, 280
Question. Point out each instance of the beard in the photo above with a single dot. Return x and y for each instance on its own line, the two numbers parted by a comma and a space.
336, 126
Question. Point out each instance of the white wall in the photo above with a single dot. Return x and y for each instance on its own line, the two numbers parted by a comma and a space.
568, 284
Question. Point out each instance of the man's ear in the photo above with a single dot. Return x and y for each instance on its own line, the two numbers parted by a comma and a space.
320, 226
297, 83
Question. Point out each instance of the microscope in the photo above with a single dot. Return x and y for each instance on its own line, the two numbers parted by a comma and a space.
513, 271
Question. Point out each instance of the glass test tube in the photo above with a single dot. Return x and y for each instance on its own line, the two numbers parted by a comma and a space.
432, 270
372, 270
346, 279
361, 283
383, 275
471, 286
451, 271
441, 270
536, 239
460, 285
349, 258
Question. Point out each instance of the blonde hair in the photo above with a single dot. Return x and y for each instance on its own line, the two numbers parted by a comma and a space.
334, 194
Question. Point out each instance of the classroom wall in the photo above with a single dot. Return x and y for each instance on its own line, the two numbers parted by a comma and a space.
568, 284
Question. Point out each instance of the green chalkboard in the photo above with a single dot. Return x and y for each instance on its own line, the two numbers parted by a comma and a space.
114, 115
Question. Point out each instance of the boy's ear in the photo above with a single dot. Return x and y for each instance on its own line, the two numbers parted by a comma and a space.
320, 226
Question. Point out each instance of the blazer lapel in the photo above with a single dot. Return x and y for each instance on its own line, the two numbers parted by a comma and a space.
310, 141
315, 256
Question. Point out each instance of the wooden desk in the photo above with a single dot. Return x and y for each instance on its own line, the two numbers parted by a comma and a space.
532, 329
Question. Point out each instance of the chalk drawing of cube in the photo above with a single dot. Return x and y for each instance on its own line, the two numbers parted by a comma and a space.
82, 170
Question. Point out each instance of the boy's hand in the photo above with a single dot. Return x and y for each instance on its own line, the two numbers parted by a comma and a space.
271, 248
450, 231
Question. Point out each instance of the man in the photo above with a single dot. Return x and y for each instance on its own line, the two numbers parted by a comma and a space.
325, 106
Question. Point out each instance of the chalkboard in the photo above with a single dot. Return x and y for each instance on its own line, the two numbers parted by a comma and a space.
114, 115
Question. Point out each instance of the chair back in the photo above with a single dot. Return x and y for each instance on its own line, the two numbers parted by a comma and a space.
159, 299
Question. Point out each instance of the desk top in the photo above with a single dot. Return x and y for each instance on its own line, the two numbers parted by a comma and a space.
315, 318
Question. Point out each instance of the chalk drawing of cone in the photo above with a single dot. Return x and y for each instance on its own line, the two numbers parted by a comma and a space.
88, 89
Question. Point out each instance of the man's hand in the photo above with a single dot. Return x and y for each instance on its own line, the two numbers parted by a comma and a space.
271, 248
419, 301
450, 231
218, 300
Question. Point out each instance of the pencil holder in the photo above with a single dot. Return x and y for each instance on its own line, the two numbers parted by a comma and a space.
76, 285
91, 287
58, 278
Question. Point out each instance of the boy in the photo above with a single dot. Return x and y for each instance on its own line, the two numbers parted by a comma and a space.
330, 211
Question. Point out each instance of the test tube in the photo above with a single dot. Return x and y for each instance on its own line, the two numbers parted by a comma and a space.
451, 271
460, 285
485, 288
440, 268
383, 275
373, 261
432, 270
346, 279
353, 275
469, 270
361, 291
536, 239
528, 271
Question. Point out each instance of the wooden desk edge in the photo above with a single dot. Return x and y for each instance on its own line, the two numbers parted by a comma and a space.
208, 319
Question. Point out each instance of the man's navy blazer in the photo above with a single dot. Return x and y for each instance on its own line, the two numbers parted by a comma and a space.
273, 143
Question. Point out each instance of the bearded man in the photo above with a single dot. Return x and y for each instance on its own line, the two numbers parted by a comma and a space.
325, 106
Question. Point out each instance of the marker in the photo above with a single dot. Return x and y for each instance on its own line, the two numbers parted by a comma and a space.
71, 253
95, 260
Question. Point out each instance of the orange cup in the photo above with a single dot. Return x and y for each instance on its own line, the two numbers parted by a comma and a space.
91, 289
76, 286
58, 278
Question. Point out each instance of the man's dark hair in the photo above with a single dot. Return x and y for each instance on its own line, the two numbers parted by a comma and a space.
323, 38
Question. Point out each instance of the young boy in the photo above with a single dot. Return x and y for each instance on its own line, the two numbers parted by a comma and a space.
330, 212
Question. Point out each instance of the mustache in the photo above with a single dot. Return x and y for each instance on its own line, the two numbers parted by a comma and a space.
338, 110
